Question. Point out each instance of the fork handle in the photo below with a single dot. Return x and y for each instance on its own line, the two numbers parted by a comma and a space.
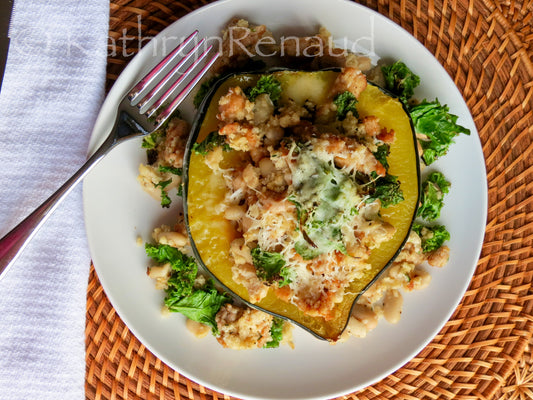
12, 244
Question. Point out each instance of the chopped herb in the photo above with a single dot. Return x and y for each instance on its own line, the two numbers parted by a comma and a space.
266, 84
212, 141
276, 332
345, 103
400, 80
172, 170
439, 127
270, 267
432, 196
204, 89
381, 154
180, 189
385, 188
432, 237
165, 200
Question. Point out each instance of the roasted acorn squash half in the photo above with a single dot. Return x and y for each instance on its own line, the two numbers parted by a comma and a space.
211, 234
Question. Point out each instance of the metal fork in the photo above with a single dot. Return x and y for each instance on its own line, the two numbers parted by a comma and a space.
136, 116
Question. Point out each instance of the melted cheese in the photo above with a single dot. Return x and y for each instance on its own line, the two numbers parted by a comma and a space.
327, 196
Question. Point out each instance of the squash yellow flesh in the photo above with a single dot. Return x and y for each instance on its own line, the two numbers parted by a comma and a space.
212, 233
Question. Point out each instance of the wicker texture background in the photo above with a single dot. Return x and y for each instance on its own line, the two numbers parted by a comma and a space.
482, 352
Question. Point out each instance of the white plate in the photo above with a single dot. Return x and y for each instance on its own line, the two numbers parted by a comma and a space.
117, 211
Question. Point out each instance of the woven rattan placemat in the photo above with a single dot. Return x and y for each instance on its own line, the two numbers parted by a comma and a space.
482, 352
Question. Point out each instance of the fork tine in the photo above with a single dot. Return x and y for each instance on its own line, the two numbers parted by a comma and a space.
185, 91
169, 76
149, 78
184, 75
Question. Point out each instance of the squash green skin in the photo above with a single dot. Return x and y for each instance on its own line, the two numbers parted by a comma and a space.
211, 234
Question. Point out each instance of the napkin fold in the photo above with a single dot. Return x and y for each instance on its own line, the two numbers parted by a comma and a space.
53, 88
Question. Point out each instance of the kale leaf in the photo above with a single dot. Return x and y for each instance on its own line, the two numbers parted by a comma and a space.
276, 332
201, 306
172, 170
270, 267
432, 196
345, 103
400, 80
212, 141
184, 268
381, 154
162, 253
165, 200
152, 140
150, 143
307, 252
432, 237
266, 84
439, 127
385, 188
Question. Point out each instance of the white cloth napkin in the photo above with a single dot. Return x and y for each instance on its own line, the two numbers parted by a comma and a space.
52, 90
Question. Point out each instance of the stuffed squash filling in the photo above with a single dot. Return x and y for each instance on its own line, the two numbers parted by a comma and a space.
311, 192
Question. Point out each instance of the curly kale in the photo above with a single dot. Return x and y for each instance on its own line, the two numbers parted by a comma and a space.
266, 84
276, 332
202, 305
385, 188
438, 126
432, 197
210, 143
199, 304
165, 199
400, 80
184, 268
345, 103
270, 267
381, 155
433, 237
172, 170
